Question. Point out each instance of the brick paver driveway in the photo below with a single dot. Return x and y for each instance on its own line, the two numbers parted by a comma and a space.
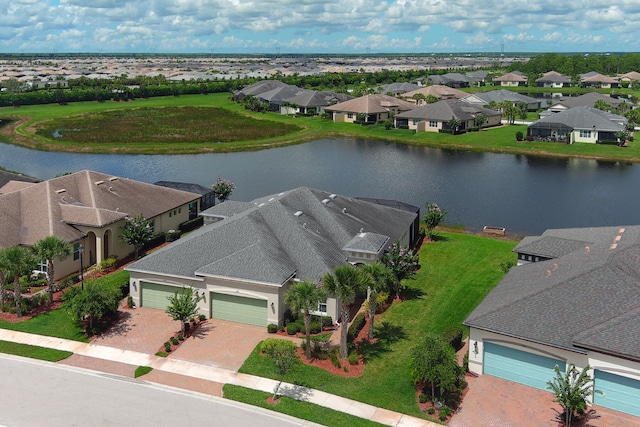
495, 402
221, 343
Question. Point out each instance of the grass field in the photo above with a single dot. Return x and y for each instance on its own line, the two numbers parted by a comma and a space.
33, 127
456, 272
33, 351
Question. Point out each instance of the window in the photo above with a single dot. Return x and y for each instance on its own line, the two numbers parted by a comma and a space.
349, 115
42, 266
76, 251
433, 124
322, 306
416, 121
170, 213
585, 134
179, 210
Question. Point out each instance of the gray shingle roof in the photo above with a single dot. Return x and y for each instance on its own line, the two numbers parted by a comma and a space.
300, 232
583, 118
588, 298
446, 109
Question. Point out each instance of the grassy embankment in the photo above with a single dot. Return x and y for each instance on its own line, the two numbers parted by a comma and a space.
457, 271
196, 131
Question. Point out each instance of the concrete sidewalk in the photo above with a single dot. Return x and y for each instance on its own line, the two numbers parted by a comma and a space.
220, 375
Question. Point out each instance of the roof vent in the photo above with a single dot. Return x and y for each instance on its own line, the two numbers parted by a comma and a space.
326, 201
333, 196
99, 182
344, 210
62, 190
113, 178
298, 213
587, 249
361, 230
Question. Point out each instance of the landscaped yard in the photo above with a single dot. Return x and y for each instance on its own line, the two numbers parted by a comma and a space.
457, 271
33, 351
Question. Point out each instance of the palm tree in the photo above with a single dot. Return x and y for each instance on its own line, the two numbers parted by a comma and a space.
379, 279
47, 249
18, 261
344, 283
3, 275
304, 296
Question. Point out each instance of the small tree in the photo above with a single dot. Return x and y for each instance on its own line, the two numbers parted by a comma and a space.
223, 189
454, 124
47, 249
283, 354
183, 306
136, 232
304, 296
434, 363
3, 275
402, 263
379, 279
344, 283
572, 389
433, 216
93, 302
17, 261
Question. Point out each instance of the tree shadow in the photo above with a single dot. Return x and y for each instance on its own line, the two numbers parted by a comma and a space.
409, 292
439, 238
295, 392
385, 334
120, 327
577, 421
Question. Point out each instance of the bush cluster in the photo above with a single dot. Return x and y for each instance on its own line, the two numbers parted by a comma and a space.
353, 358
334, 355
272, 328
355, 327
453, 336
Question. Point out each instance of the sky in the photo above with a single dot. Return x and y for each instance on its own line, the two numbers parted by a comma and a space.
311, 26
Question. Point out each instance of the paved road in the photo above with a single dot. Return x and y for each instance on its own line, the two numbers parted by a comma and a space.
40, 394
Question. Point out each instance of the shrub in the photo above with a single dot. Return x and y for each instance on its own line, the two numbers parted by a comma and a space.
174, 341
293, 328
353, 358
519, 136
172, 235
445, 411
315, 327
180, 337
453, 336
431, 410
63, 284
202, 317
323, 320
130, 301
107, 263
167, 347
424, 398
268, 345
356, 326
272, 328
192, 224
334, 355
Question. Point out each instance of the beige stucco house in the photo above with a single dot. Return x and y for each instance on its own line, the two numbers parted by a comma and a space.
87, 209
515, 78
248, 253
373, 108
574, 298
435, 117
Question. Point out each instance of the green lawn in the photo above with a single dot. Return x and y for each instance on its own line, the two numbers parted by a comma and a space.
33, 351
300, 129
59, 323
302, 410
457, 271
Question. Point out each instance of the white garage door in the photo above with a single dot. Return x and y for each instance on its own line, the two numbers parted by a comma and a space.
239, 309
520, 366
618, 393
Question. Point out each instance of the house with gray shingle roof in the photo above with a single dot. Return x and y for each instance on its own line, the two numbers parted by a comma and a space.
588, 99
574, 298
553, 79
374, 108
455, 80
502, 95
311, 101
436, 116
88, 208
578, 124
249, 253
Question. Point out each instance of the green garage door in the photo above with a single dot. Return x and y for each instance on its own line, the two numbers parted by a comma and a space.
239, 309
155, 296
618, 393
519, 366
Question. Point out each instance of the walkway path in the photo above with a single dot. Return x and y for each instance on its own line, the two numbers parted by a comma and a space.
220, 375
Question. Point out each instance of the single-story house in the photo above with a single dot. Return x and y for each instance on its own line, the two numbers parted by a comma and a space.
578, 124
588, 99
439, 91
207, 194
257, 89
374, 108
456, 80
395, 89
553, 79
630, 77
574, 299
248, 254
515, 78
87, 209
312, 101
436, 116
15, 179
502, 95
278, 97
598, 81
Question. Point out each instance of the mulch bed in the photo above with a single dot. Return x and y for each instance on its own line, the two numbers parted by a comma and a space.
188, 333
13, 317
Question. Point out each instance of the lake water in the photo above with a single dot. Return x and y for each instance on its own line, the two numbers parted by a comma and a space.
522, 193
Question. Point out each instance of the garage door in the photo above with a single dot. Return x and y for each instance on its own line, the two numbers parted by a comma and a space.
520, 366
155, 296
619, 393
239, 309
